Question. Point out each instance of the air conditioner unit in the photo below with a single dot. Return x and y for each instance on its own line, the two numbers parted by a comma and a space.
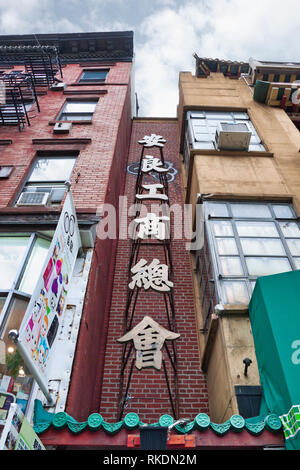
62, 127
233, 136
58, 86
29, 198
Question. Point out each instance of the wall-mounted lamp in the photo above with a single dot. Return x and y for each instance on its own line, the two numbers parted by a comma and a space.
247, 363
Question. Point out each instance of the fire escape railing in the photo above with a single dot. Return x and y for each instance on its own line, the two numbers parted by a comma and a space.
21, 87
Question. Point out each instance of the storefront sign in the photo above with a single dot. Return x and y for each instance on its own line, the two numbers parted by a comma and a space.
18, 433
45, 310
274, 313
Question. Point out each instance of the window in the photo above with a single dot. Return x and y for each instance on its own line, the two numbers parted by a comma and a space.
21, 260
245, 241
93, 76
202, 127
47, 178
78, 110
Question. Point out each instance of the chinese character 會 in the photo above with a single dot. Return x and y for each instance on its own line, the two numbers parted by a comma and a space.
148, 338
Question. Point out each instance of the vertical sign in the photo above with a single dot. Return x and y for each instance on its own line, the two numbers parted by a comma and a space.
42, 318
18, 433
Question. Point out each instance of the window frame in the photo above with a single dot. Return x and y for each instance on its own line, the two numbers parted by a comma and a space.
77, 100
81, 79
50, 183
13, 292
246, 277
197, 144
80, 121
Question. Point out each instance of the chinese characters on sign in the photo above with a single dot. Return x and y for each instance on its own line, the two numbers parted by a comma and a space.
155, 275
152, 225
148, 338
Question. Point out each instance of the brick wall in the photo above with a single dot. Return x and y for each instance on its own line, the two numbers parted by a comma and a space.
148, 386
95, 159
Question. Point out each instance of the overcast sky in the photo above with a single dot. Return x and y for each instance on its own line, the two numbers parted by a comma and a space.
167, 33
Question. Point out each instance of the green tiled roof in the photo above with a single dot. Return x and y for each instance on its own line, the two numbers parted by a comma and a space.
43, 420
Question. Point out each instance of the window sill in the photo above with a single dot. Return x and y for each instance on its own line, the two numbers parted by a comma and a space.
230, 153
52, 123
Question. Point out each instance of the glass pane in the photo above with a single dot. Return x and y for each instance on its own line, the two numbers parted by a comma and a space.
283, 211
94, 75
294, 246
197, 114
200, 137
250, 210
14, 376
231, 266
79, 107
290, 229
34, 266
222, 228
262, 246
235, 292
199, 123
203, 145
219, 115
216, 209
76, 117
52, 169
297, 262
2, 302
256, 229
226, 246
256, 148
266, 266
238, 115
12, 250
252, 285
200, 129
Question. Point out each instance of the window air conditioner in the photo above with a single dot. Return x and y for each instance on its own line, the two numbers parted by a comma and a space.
33, 199
62, 127
58, 86
233, 136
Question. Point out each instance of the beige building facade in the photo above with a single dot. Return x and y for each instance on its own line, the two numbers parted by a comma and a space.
248, 200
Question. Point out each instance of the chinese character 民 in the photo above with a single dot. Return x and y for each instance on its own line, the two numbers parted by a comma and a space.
155, 275
148, 338
152, 225
153, 140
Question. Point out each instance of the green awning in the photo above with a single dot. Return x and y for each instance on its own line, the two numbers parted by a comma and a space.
274, 312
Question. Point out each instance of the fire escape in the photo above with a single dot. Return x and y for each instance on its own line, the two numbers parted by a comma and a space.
19, 89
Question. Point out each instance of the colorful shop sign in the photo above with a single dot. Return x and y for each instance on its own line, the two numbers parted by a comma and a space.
18, 433
45, 310
274, 313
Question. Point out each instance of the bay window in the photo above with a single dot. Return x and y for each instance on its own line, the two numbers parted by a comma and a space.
244, 240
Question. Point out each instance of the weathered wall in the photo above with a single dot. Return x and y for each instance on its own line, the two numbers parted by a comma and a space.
241, 176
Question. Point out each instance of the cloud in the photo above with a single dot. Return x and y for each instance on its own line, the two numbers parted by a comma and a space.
225, 29
167, 33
